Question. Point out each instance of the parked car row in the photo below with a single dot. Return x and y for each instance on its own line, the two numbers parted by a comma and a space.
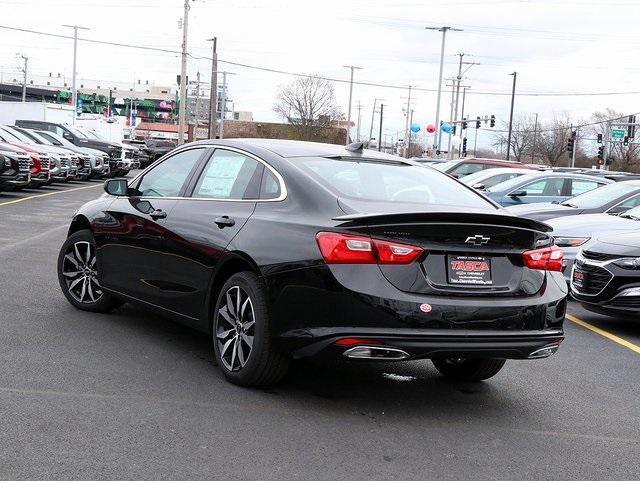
31, 157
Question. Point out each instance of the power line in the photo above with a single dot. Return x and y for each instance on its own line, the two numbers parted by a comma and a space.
331, 79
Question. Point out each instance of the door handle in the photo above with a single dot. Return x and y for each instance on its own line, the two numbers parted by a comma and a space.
224, 221
157, 214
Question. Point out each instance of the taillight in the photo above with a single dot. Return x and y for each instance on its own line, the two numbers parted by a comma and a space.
546, 259
350, 249
355, 341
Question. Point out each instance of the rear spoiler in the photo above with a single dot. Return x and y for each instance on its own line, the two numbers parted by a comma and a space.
352, 220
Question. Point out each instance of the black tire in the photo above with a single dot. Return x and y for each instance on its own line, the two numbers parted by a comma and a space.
98, 300
468, 369
264, 365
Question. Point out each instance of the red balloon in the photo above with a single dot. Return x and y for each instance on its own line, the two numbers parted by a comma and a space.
431, 128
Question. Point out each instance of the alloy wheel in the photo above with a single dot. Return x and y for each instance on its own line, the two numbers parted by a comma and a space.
80, 273
235, 328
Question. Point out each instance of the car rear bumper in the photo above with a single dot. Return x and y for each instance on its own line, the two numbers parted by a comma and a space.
426, 343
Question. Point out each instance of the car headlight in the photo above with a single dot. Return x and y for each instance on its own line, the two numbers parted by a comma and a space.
571, 241
628, 263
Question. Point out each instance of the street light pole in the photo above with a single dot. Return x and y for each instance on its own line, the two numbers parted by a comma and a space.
352, 68
407, 134
74, 90
444, 30
373, 112
513, 96
213, 93
183, 75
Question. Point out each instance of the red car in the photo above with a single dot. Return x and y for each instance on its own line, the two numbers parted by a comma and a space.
461, 167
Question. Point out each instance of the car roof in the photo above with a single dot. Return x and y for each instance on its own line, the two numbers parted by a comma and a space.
300, 148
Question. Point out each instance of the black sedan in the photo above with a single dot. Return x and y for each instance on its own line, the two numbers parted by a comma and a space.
284, 249
610, 199
606, 277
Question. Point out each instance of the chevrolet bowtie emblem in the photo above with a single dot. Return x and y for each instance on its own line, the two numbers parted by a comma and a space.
477, 240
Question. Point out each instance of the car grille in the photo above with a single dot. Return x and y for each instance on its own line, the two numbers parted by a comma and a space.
117, 153
598, 256
86, 162
64, 162
24, 164
128, 154
45, 164
597, 279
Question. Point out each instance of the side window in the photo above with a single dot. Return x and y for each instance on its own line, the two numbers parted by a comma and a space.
229, 175
582, 186
468, 168
270, 188
496, 179
167, 178
546, 187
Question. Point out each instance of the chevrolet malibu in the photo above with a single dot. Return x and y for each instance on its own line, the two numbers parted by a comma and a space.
283, 250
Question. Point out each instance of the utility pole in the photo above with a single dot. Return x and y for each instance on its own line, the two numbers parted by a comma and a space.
223, 101
409, 143
74, 90
197, 97
575, 147
453, 91
407, 133
373, 112
359, 120
535, 134
444, 31
183, 75
352, 68
24, 81
513, 97
380, 132
213, 94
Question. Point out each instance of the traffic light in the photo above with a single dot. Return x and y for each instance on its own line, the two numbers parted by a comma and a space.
601, 155
453, 132
599, 138
571, 142
631, 128
464, 147
478, 122
464, 123
492, 122
625, 141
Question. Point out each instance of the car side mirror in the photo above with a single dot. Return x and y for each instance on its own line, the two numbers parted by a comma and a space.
518, 193
118, 187
479, 186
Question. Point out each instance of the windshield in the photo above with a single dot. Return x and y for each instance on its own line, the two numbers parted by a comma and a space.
632, 213
54, 139
41, 138
76, 132
390, 182
474, 178
17, 135
90, 134
444, 166
599, 197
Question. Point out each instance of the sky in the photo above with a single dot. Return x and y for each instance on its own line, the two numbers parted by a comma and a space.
556, 47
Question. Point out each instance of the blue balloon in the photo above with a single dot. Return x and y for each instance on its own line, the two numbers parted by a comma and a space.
415, 128
447, 128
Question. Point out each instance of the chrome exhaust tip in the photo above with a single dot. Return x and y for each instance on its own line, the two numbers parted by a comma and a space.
376, 352
546, 351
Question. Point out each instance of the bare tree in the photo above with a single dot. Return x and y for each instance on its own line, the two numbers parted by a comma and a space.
620, 156
521, 138
552, 141
307, 102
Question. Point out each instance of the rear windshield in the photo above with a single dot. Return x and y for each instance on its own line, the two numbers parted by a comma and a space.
602, 196
391, 182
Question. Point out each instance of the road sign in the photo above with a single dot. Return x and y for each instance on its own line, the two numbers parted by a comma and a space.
617, 135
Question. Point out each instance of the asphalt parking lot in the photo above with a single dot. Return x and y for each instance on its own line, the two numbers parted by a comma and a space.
132, 396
